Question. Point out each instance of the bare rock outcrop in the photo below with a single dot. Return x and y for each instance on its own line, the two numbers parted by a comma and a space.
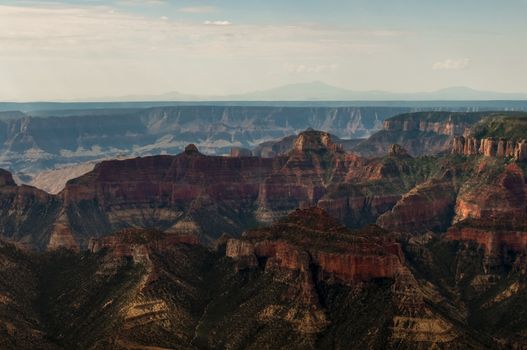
490, 147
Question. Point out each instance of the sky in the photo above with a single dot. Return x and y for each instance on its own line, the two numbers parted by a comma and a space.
67, 50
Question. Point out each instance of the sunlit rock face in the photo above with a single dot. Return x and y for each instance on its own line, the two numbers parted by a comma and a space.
292, 244
490, 147
428, 206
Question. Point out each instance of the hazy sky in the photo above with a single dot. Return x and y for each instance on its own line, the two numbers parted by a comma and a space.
87, 49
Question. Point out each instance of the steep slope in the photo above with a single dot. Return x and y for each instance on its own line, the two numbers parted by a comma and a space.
285, 145
304, 282
203, 195
54, 181
495, 136
20, 324
488, 299
428, 206
425, 133
27, 214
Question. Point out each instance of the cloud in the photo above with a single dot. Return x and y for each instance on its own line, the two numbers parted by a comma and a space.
306, 68
142, 2
452, 64
197, 9
218, 23
85, 32
79, 51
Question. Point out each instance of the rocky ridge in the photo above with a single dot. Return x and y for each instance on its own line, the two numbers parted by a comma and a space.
208, 196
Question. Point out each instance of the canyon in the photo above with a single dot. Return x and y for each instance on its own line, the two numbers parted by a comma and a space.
313, 246
44, 140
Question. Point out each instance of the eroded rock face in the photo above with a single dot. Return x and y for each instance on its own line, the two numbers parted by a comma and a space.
166, 191
293, 245
493, 239
312, 140
33, 144
209, 196
491, 210
138, 244
490, 147
429, 206
312, 165
27, 214
493, 194
445, 123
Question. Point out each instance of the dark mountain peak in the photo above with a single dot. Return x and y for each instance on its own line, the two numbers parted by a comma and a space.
314, 140
191, 149
6, 178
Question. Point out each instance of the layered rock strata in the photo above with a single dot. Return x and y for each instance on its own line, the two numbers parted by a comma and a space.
298, 243
490, 147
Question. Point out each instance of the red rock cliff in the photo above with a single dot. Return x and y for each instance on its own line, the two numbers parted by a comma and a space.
310, 239
490, 147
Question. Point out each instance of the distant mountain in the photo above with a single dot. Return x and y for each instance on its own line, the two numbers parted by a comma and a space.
303, 91
320, 91
323, 91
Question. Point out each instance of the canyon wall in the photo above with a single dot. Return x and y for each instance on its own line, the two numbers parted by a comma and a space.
345, 256
422, 133
490, 147
33, 144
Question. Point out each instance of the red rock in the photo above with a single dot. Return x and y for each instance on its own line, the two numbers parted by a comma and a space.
139, 244
520, 153
311, 238
27, 214
492, 239
503, 199
502, 145
458, 145
428, 206
490, 147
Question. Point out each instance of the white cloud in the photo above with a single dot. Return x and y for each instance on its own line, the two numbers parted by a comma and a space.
310, 68
218, 23
452, 64
143, 2
84, 51
197, 9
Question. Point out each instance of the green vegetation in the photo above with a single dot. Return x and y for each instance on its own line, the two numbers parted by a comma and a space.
79, 302
512, 127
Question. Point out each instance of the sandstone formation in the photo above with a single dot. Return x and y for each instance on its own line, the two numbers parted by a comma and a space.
428, 206
422, 133
208, 196
494, 240
211, 195
490, 147
495, 193
138, 243
444, 123
297, 244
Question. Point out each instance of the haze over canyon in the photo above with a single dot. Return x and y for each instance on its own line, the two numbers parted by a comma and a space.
247, 175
